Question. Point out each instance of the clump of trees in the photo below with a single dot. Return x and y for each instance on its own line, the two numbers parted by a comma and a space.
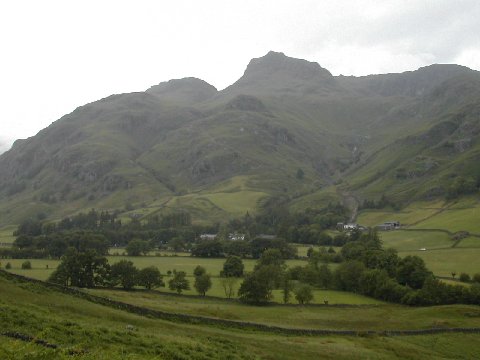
381, 203
462, 186
88, 269
368, 269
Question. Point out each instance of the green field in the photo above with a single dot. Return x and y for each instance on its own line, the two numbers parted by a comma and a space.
440, 257
42, 268
415, 240
99, 332
411, 214
6, 234
378, 317
470, 242
443, 261
454, 220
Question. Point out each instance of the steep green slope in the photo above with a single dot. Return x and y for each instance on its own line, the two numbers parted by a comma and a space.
173, 146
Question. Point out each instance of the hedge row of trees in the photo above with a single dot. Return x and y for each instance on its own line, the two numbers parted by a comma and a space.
87, 269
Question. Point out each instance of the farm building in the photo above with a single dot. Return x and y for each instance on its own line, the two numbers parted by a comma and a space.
350, 226
236, 237
208, 236
389, 225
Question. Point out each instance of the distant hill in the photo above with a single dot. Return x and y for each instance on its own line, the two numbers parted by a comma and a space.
4, 145
182, 144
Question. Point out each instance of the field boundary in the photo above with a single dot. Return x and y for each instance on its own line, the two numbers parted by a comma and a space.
230, 324
28, 338
233, 300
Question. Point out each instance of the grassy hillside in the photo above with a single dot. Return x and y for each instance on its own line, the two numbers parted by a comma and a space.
97, 332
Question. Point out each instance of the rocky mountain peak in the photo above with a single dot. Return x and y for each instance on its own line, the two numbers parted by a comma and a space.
277, 62
187, 90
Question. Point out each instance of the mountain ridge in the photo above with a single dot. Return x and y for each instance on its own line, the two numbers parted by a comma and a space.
184, 143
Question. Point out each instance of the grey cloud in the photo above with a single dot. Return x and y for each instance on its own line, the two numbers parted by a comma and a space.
442, 28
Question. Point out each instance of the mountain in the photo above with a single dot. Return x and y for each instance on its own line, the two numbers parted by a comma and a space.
182, 144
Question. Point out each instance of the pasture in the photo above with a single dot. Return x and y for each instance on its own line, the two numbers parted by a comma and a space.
380, 316
444, 261
454, 219
76, 325
415, 240
411, 214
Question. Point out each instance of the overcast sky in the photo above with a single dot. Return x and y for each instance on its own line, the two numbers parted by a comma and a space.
57, 55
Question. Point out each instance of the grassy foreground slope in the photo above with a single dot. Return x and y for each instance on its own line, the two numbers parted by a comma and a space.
98, 332
379, 317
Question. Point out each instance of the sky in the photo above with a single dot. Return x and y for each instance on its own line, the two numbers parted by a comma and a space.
58, 55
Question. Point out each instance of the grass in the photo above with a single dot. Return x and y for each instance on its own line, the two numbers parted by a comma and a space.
6, 234
454, 220
415, 240
76, 324
411, 214
470, 242
443, 261
41, 270
379, 317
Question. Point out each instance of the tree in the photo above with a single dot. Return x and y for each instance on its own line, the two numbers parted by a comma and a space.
475, 278
464, 277
287, 287
81, 269
324, 276
8, 266
233, 267
150, 277
228, 284
208, 248
138, 247
179, 282
26, 265
177, 244
257, 286
125, 274
203, 283
348, 274
271, 257
304, 294
259, 245
411, 271
199, 271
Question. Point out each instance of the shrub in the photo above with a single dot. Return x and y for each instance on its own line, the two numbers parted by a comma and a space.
199, 271
8, 266
233, 267
150, 277
464, 277
26, 265
203, 283
476, 278
179, 282
304, 294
